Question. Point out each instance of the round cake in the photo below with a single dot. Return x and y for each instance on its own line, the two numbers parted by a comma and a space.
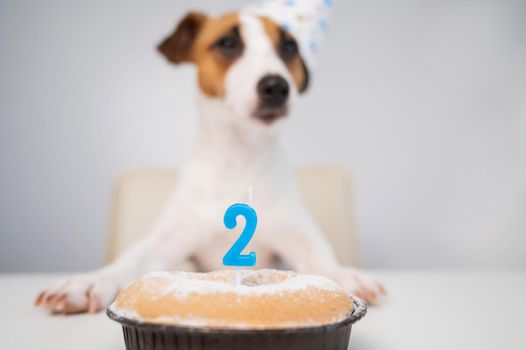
258, 299
235, 309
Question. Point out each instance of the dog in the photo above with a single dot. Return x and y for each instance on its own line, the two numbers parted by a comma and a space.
250, 73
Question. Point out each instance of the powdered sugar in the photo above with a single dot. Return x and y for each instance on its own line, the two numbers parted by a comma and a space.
253, 282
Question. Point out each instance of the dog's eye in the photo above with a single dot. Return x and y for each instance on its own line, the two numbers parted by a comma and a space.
288, 48
229, 45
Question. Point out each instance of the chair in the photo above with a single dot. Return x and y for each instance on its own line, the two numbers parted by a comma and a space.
139, 196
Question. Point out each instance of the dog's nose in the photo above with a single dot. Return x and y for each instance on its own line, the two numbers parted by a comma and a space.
273, 91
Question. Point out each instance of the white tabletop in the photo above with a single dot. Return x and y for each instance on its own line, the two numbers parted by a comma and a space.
424, 310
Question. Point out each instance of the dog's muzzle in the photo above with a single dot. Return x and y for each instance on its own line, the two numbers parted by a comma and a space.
273, 92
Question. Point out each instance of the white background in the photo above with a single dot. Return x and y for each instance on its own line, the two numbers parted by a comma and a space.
424, 101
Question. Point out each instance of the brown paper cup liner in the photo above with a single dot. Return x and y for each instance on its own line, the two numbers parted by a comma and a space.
150, 336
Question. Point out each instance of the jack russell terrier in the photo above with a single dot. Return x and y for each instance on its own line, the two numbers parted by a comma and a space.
250, 71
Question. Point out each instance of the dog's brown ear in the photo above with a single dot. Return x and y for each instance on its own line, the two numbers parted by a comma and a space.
177, 47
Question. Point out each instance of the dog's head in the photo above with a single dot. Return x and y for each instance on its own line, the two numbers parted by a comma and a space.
248, 66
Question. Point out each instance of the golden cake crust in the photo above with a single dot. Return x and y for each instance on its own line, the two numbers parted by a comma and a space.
264, 299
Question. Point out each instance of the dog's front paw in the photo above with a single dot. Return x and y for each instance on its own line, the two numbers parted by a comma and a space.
83, 293
360, 284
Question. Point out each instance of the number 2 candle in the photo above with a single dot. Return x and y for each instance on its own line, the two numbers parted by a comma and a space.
234, 256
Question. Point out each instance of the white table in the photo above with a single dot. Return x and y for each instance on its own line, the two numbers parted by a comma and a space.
424, 310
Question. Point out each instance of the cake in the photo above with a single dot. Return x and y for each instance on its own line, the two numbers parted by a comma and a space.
230, 309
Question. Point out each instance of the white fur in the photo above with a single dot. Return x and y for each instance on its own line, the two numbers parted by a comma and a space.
234, 151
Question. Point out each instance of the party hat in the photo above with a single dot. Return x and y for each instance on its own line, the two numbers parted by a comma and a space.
306, 20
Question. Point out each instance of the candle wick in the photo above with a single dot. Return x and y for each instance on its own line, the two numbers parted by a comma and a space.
250, 194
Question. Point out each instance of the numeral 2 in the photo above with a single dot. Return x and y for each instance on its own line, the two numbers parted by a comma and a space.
234, 257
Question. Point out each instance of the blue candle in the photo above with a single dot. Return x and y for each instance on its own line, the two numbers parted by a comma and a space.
233, 257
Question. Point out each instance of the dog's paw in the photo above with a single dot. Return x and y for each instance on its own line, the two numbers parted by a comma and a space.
360, 284
83, 293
